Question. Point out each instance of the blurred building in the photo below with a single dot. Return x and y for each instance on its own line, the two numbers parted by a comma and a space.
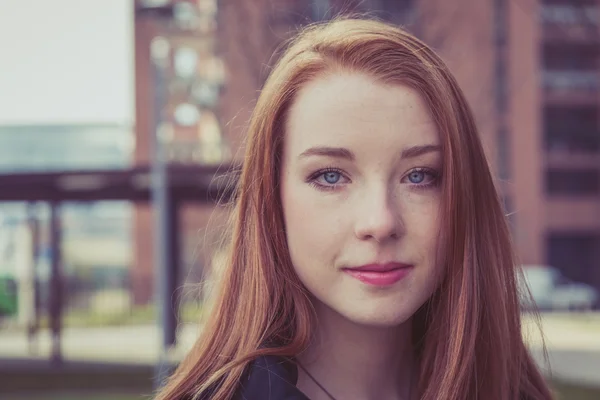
97, 236
184, 96
65, 147
528, 68
553, 138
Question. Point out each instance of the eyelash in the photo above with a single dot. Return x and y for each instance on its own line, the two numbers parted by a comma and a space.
312, 180
435, 175
435, 178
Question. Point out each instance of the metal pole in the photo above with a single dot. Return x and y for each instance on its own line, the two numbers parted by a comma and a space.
56, 298
34, 323
171, 304
159, 52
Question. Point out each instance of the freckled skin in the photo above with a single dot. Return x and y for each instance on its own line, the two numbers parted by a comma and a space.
377, 207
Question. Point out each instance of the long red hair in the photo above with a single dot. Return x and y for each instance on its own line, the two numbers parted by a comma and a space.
467, 336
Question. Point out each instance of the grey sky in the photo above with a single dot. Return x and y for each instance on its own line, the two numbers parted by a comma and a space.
66, 61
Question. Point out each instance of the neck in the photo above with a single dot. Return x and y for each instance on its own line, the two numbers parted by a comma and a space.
357, 361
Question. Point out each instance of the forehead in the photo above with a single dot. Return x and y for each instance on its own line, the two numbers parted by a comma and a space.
352, 107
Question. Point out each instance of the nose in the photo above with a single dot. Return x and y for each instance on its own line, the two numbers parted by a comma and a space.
379, 217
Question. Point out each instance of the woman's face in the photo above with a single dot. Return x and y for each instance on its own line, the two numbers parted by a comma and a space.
361, 197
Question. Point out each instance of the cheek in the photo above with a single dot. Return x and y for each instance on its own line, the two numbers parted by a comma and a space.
423, 223
312, 228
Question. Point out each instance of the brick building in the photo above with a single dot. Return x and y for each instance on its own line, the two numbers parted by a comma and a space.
529, 69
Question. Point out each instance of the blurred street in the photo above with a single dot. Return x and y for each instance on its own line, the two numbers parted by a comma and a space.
573, 343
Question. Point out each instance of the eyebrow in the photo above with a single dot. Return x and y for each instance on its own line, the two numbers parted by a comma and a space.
416, 151
336, 152
340, 152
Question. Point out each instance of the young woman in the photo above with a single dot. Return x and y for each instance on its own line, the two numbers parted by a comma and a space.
370, 256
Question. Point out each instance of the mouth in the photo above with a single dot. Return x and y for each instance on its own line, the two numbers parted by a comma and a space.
380, 274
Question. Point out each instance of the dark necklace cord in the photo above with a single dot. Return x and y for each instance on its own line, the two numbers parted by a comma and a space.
315, 381
325, 390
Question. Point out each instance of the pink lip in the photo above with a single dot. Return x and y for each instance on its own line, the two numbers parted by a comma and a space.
380, 274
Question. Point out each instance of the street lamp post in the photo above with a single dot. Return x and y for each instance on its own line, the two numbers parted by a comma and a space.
160, 53
56, 284
174, 67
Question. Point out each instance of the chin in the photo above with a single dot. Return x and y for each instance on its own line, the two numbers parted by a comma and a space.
383, 310
380, 318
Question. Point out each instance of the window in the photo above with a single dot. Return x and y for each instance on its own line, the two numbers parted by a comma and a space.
572, 129
558, 56
570, 66
567, 14
576, 254
570, 80
579, 182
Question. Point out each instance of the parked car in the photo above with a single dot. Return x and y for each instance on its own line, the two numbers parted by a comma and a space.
552, 291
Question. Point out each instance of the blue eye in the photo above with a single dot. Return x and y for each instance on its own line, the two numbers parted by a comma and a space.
416, 177
332, 177
422, 178
328, 179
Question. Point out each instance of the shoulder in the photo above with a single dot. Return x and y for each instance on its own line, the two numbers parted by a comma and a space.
270, 377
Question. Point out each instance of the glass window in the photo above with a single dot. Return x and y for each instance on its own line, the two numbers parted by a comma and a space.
572, 182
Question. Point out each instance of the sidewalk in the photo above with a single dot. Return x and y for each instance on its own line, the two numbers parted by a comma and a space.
126, 344
38, 377
565, 332
573, 344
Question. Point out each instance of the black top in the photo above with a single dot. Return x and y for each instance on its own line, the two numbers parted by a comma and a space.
275, 378
270, 377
